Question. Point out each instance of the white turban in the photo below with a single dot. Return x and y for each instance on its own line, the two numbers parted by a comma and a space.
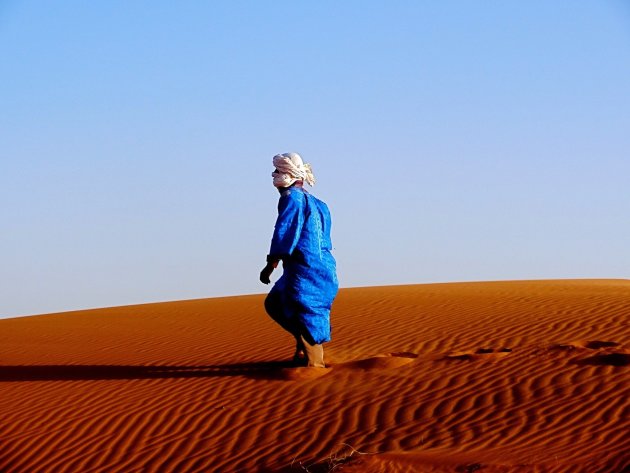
289, 169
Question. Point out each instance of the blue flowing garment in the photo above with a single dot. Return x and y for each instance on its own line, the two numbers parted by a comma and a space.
308, 285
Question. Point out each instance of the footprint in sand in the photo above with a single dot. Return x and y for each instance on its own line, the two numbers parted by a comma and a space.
303, 373
581, 344
489, 354
606, 359
380, 362
608, 353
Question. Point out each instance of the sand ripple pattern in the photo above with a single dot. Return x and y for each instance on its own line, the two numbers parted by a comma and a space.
497, 377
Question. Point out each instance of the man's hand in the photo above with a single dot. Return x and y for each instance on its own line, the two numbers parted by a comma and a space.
272, 263
266, 272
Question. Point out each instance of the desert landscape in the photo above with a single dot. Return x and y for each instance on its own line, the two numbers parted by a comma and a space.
515, 376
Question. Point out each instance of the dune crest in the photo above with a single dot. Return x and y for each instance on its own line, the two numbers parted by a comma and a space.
513, 376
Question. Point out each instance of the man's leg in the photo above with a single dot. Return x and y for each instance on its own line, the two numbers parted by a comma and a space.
276, 308
314, 354
299, 358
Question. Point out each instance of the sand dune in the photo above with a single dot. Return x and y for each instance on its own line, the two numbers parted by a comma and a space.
490, 377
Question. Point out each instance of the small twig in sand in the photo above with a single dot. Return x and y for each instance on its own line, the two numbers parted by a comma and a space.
302, 465
336, 460
333, 462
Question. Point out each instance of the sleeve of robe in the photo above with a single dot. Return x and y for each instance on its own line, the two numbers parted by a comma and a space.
288, 225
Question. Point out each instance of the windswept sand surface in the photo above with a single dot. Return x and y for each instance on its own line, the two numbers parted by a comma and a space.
466, 377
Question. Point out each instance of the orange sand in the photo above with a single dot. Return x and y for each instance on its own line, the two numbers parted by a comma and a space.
488, 377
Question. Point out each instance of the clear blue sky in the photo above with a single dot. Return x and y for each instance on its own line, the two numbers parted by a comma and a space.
452, 140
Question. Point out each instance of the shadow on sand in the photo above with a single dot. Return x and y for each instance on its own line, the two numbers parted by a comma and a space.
257, 370
609, 359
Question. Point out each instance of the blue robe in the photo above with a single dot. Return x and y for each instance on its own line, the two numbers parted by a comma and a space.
301, 299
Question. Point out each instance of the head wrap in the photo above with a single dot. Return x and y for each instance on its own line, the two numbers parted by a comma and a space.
289, 169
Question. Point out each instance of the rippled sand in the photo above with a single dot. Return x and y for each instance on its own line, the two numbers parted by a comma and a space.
523, 376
